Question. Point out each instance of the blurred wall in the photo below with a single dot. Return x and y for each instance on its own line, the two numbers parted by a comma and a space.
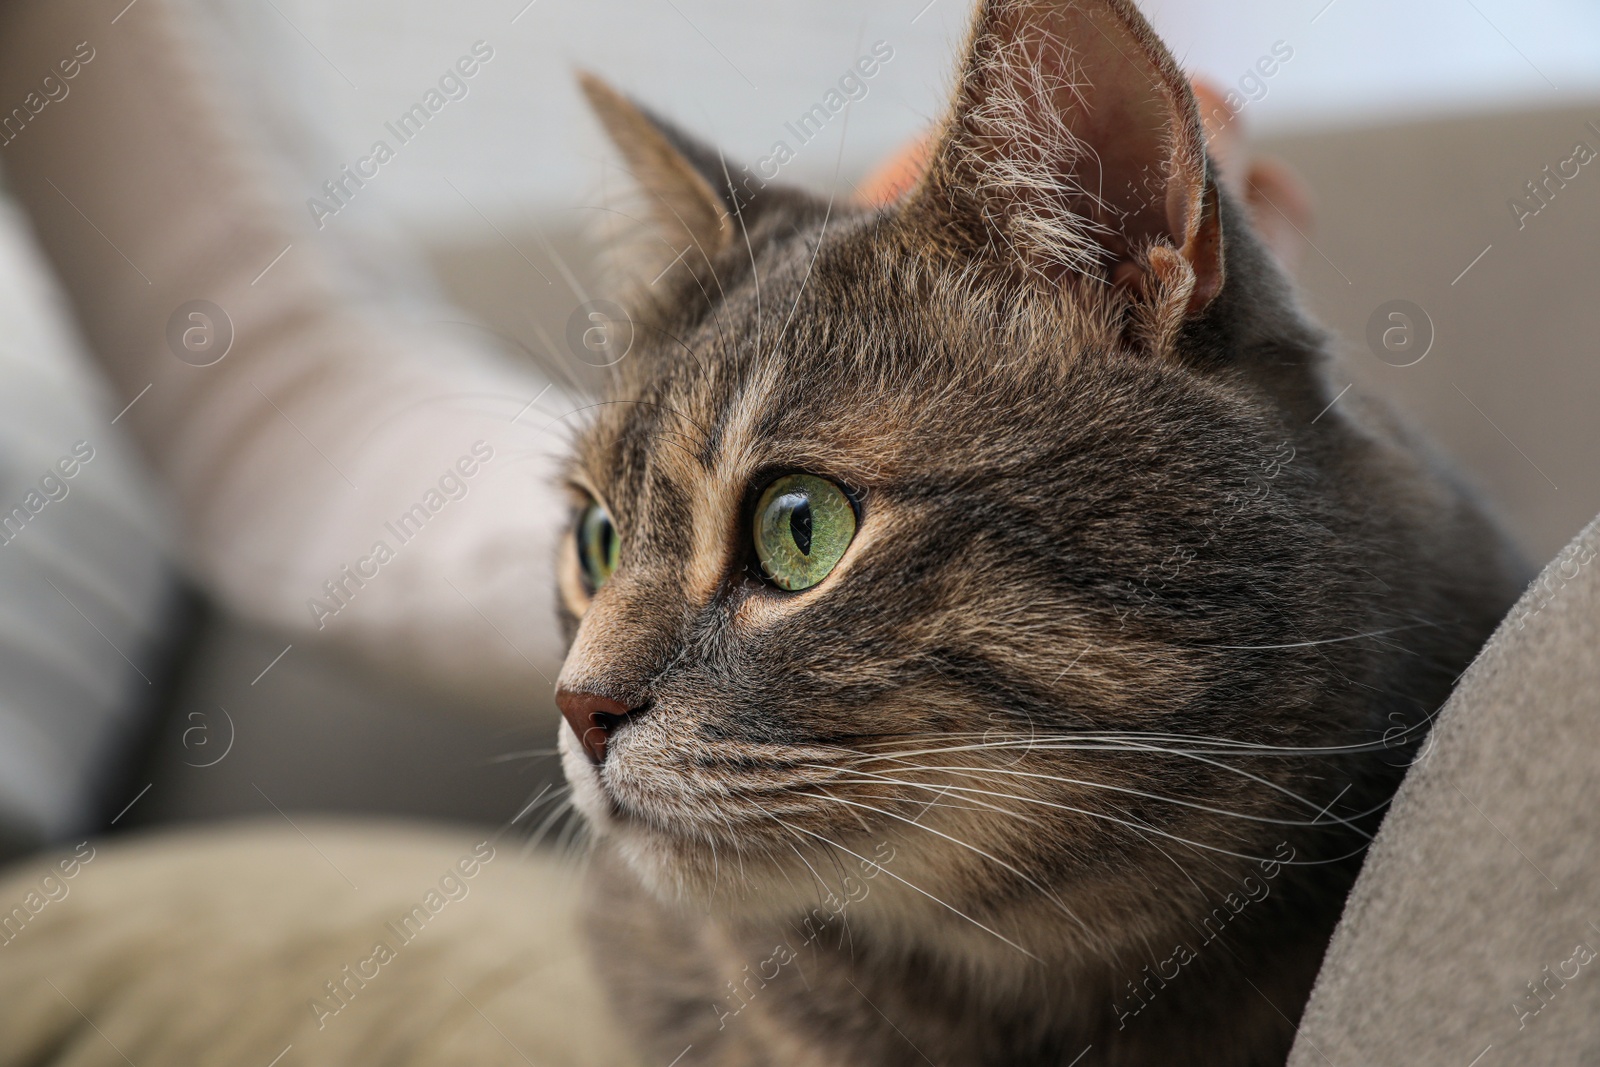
519, 143
1417, 124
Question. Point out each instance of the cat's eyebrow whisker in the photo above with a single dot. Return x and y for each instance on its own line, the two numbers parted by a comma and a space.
639, 403
713, 306
674, 444
970, 847
687, 229
915, 888
680, 342
755, 272
816, 250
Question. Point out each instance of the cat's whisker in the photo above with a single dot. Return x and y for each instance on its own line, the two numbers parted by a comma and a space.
1145, 837
915, 888
816, 248
1040, 802
966, 845
527, 753
930, 805
536, 838
680, 342
744, 230
1258, 779
822, 884
1306, 644
1077, 746
550, 363
876, 778
831, 857
573, 830
1319, 821
545, 796
1225, 744
1074, 746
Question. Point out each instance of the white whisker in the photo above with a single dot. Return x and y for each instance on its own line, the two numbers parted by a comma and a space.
956, 840
915, 888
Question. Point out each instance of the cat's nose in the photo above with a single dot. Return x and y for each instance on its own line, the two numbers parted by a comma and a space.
592, 718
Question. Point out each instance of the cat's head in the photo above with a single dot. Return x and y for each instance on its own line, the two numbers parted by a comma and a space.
980, 530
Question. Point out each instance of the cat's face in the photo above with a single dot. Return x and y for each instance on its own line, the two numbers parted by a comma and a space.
886, 538
1049, 539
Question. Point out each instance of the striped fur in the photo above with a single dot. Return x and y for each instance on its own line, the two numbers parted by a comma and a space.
1125, 621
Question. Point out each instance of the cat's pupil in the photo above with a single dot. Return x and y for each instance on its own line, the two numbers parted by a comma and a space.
800, 526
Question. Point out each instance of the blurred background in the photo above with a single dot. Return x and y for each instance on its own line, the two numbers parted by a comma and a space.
1415, 125
1419, 127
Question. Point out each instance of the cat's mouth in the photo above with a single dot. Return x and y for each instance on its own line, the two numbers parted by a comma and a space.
659, 783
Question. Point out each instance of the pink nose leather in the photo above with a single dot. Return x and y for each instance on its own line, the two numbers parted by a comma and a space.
592, 718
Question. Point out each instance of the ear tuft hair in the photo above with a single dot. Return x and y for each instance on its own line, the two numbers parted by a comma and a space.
1074, 147
672, 171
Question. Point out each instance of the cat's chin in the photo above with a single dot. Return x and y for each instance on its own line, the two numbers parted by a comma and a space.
753, 888
680, 865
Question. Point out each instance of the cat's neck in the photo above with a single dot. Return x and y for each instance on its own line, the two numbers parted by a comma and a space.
844, 983
866, 995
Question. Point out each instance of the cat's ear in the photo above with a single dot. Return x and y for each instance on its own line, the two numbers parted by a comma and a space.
1074, 148
678, 177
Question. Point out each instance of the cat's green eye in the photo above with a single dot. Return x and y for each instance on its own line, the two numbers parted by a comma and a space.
598, 545
803, 524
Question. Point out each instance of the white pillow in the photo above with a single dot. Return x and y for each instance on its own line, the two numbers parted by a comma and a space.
87, 584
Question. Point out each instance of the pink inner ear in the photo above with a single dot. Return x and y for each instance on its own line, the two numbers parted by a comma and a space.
1075, 146
1105, 91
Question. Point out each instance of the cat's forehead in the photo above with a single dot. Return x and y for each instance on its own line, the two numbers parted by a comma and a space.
838, 353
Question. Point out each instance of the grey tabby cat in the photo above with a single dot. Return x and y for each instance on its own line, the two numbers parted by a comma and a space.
987, 644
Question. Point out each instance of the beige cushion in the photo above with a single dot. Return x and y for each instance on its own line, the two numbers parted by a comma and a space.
216, 947
1485, 876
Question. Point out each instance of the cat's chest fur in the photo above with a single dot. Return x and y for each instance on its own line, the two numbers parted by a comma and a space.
831, 987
